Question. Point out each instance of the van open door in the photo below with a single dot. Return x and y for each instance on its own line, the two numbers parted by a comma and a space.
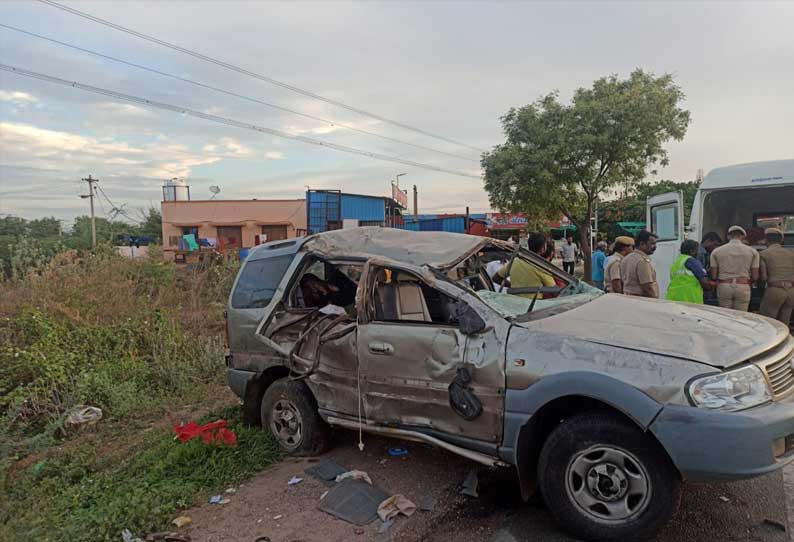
665, 218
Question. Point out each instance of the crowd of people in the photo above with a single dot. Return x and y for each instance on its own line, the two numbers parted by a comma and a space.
709, 270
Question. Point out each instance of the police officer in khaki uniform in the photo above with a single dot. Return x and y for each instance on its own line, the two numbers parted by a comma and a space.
624, 245
734, 266
777, 269
636, 269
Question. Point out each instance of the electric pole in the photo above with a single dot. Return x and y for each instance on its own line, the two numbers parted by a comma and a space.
90, 197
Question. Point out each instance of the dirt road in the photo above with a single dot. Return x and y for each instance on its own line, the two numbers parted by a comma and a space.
266, 506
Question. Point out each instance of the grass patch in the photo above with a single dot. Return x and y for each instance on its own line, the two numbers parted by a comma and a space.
80, 494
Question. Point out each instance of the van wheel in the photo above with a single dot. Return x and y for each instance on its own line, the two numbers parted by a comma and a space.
604, 480
289, 412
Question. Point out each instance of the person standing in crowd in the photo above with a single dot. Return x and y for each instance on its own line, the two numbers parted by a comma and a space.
624, 245
598, 261
688, 278
734, 266
636, 269
523, 274
777, 269
709, 242
568, 254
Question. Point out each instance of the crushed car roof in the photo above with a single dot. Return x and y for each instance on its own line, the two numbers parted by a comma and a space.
434, 248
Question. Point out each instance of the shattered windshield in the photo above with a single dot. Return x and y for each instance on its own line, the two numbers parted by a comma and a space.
511, 306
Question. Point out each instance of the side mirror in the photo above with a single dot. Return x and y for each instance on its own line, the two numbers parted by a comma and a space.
469, 322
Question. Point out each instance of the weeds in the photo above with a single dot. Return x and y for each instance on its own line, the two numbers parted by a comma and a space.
74, 496
140, 339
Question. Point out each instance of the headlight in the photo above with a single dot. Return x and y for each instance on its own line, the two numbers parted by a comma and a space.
733, 390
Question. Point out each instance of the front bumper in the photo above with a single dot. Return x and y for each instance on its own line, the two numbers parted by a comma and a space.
708, 446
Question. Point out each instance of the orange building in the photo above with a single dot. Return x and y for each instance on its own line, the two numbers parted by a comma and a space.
231, 224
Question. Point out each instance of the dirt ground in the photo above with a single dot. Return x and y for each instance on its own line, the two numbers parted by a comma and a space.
266, 506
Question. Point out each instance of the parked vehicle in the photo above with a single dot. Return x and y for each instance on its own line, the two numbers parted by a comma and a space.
755, 195
602, 402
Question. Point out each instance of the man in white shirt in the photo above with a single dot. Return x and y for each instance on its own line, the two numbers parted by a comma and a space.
568, 253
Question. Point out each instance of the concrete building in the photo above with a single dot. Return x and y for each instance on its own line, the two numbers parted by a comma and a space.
231, 224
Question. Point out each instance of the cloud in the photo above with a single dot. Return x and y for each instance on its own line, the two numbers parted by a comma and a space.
26, 145
17, 97
274, 155
123, 109
234, 147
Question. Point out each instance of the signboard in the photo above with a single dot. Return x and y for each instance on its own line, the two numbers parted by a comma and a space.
507, 221
400, 196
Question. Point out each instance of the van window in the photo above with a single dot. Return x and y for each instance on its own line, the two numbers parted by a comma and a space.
258, 282
664, 221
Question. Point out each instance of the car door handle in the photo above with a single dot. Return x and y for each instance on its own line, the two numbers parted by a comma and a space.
381, 348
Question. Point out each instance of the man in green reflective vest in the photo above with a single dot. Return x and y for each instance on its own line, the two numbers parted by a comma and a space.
688, 277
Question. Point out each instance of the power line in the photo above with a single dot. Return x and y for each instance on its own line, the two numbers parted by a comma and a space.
249, 73
235, 94
228, 121
118, 210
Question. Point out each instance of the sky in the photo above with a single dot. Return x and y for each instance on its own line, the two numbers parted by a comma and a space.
449, 68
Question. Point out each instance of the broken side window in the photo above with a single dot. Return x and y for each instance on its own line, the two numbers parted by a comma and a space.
403, 297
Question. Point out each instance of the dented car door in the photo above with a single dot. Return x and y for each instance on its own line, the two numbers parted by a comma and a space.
412, 359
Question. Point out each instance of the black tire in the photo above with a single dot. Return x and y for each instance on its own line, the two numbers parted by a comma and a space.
283, 402
589, 506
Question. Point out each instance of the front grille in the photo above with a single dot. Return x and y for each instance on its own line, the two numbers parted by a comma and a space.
781, 376
779, 370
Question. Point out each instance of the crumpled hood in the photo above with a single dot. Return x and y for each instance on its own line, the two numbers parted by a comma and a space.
710, 335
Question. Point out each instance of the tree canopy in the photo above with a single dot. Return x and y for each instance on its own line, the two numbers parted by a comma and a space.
559, 159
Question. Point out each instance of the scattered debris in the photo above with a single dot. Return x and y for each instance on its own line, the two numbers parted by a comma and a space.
231, 490
394, 506
359, 531
385, 526
775, 524
294, 481
470, 484
354, 501
182, 521
81, 417
211, 433
327, 471
168, 537
382, 461
216, 499
278, 517
723, 498
127, 536
427, 503
354, 475
398, 452
324, 494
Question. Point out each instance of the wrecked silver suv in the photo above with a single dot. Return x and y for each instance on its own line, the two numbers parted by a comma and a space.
605, 403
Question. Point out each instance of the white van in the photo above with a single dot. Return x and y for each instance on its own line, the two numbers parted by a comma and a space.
755, 196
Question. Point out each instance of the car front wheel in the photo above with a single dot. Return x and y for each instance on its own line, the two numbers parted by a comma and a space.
289, 412
604, 480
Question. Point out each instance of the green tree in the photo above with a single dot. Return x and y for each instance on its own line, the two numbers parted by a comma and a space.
560, 158
106, 232
151, 224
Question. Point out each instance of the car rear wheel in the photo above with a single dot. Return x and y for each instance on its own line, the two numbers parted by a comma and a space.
289, 412
603, 479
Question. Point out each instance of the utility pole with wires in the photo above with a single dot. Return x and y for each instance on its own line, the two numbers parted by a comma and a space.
90, 197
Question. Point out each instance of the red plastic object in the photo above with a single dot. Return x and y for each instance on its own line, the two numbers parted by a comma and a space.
211, 433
